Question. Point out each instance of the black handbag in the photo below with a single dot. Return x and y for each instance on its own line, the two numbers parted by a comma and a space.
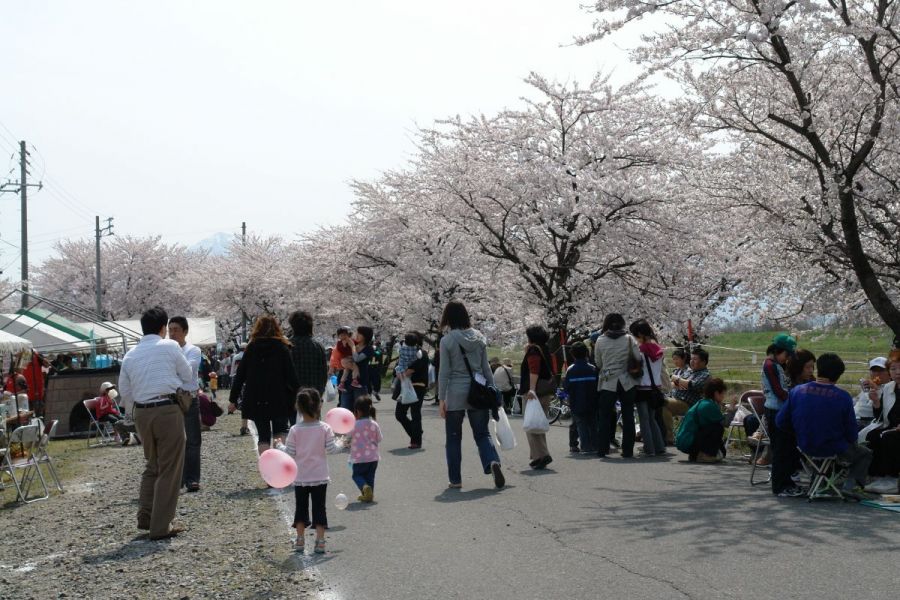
657, 398
481, 396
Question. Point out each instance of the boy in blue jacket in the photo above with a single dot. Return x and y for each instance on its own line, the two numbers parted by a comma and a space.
581, 386
822, 417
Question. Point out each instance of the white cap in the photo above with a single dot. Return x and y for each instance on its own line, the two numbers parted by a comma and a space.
105, 386
878, 363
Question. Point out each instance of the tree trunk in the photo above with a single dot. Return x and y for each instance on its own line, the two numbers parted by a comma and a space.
868, 280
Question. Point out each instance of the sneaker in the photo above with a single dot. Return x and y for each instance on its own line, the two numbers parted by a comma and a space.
368, 493
499, 479
320, 547
245, 431
791, 492
454, 486
127, 440
574, 450
355, 383
709, 459
882, 485
414, 446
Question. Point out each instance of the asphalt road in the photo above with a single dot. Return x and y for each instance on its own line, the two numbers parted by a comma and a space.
592, 528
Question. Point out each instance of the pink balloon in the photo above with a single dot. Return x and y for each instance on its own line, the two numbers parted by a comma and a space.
277, 468
340, 420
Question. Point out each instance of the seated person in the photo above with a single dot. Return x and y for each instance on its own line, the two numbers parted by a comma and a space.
883, 435
821, 416
107, 411
681, 399
878, 376
701, 431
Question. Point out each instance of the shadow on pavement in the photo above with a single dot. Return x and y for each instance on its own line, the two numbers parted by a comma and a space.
137, 547
464, 495
405, 451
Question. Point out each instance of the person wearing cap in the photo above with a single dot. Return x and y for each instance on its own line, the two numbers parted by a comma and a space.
107, 411
883, 435
775, 385
878, 376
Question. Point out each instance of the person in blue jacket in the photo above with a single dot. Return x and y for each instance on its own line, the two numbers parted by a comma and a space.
581, 387
821, 415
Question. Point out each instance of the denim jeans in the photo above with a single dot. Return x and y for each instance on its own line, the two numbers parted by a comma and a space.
478, 420
364, 474
588, 430
650, 433
191, 472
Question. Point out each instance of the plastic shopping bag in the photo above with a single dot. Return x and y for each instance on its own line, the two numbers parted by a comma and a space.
407, 392
330, 391
535, 420
505, 433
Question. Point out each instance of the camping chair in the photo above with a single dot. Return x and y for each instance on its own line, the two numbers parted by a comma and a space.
825, 473
26, 438
737, 424
103, 429
42, 455
756, 401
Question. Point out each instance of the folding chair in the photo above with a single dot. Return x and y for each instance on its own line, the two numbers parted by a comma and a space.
737, 423
42, 454
103, 429
6, 465
756, 401
26, 438
825, 473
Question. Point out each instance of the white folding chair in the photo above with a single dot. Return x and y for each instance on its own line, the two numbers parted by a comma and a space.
42, 453
756, 401
24, 440
103, 431
6, 469
825, 472
737, 423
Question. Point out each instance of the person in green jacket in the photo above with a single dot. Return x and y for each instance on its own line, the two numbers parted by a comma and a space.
700, 434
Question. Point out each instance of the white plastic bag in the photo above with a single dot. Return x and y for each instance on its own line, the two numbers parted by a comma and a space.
505, 435
407, 392
330, 392
535, 421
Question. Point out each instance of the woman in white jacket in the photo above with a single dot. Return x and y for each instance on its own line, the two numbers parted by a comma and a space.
884, 439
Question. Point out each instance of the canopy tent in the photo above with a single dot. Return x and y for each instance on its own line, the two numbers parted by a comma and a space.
201, 330
12, 343
43, 336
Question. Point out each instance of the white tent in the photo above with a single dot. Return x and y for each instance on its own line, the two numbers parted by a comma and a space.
201, 331
12, 343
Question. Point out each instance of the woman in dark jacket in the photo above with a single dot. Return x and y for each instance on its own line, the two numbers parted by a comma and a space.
537, 385
418, 375
268, 380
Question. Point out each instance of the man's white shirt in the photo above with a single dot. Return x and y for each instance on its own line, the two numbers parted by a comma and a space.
193, 356
155, 367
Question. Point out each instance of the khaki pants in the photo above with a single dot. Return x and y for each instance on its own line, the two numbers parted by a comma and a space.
537, 442
161, 429
672, 408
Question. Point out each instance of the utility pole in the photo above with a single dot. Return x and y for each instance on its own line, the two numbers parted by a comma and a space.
22, 188
106, 231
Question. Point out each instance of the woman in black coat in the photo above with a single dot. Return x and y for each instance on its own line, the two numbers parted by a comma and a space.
268, 380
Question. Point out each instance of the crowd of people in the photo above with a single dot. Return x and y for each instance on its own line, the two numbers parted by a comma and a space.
616, 378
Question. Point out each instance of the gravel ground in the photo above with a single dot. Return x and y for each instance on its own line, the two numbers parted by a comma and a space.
84, 544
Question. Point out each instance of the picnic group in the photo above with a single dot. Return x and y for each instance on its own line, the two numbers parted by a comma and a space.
616, 378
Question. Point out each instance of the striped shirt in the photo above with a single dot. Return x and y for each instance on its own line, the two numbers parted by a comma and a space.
154, 368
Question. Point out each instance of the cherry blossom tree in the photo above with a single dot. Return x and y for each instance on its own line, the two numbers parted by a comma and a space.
809, 89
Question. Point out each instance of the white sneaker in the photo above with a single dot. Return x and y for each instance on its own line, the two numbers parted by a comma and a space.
883, 485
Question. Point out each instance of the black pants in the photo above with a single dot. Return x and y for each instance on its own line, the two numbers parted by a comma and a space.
191, 472
608, 420
508, 398
412, 426
708, 440
305, 493
886, 452
784, 453
265, 428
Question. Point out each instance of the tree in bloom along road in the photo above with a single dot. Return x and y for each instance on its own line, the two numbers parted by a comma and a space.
809, 90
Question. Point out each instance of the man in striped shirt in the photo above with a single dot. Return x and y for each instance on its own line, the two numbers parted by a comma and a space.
151, 373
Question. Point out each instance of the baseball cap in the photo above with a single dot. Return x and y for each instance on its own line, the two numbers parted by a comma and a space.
879, 362
783, 341
105, 386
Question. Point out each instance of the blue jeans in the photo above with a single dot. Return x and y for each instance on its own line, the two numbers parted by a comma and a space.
478, 419
364, 474
588, 431
607, 413
191, 471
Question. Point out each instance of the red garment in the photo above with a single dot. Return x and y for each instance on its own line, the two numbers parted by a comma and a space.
105, 406
339, 352
651, 350
206, 414
534, 364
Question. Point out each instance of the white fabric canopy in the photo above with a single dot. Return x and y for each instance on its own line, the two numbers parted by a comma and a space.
201, 330
12, 343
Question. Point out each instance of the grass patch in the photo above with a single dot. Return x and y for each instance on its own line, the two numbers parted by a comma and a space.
69, 457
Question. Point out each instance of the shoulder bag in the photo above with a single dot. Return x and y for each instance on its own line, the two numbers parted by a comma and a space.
634, 366
481, 396
657, 398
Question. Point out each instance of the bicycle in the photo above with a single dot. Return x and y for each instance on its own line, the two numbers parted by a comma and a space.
559, 407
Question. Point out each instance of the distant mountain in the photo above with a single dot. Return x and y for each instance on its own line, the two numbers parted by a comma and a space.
216, 244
